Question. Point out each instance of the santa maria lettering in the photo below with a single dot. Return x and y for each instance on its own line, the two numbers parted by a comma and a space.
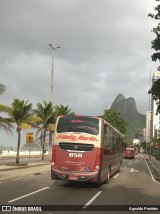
76, 138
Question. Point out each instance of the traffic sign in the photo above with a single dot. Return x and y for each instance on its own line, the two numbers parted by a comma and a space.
29, 137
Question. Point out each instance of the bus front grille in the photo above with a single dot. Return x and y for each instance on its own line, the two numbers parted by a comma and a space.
76, 146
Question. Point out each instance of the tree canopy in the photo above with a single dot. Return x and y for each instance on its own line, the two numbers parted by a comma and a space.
155, 44
63, 110
2, 88
115, 120
155, 91
5, 123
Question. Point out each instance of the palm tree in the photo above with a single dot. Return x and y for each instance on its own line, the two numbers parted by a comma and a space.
20, 112
45, 114
5, 123
2, 88
63, 110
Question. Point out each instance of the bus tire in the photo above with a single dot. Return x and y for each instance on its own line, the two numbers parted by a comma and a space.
108, 176
120, 164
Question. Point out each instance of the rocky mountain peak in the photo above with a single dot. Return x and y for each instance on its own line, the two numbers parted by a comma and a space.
127, 107
118, 99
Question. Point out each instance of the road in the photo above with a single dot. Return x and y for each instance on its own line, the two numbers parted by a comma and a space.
134, 185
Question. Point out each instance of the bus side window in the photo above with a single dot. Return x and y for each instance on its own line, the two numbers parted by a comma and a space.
106, 135
110, 136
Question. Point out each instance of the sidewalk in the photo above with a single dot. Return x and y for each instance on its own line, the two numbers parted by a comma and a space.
13, 171
155, 166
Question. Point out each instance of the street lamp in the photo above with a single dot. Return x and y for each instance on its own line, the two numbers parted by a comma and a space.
53, 49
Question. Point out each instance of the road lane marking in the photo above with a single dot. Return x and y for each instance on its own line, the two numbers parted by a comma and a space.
125, 167
24, 196
134, 170
151, 174
130, 162
16, 178
116, 175
92, 199
139, 160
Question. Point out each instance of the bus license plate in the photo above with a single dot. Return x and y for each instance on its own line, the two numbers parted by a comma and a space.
73, 177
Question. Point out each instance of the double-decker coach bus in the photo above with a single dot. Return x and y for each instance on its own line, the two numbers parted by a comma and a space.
85, 149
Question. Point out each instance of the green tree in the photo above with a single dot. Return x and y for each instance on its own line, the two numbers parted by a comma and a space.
63, 110
155, 91
45, 116
5, 123
115, 120
155, 44
20, 112
2, 88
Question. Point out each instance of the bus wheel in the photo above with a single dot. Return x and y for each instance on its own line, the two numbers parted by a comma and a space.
108, 176
120, 164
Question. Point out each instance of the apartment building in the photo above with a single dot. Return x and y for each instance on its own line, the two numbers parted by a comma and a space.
154, 118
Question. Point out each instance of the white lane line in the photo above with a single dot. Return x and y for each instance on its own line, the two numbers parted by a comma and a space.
16, 199
151, 174
116, 175
130, 162
92, 199
125, 167
16, 178
132, 170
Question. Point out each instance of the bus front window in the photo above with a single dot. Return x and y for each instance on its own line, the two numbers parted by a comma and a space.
78, 124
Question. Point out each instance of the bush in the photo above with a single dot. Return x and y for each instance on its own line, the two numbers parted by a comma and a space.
158, 157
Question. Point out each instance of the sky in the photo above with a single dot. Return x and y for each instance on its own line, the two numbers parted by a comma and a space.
105, 50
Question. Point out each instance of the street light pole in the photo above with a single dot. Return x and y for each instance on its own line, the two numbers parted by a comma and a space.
53, 49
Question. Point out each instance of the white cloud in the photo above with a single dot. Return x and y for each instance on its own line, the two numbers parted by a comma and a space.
105, 50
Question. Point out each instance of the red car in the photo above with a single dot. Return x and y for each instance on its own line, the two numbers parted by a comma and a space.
129, 154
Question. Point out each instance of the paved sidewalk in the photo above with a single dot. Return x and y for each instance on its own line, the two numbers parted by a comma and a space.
155, 166
13, 171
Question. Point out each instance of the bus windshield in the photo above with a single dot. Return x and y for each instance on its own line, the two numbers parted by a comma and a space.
78, 124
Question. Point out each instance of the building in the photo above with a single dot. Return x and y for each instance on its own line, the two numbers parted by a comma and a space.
155, 118
148, 131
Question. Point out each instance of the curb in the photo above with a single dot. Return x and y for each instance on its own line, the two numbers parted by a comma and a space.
155, 168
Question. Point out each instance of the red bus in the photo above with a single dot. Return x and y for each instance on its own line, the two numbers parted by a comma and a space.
129, 152
85, 149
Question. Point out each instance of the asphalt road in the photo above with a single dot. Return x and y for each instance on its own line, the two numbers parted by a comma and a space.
134, 185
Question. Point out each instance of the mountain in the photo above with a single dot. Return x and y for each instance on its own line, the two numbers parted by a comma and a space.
128, 109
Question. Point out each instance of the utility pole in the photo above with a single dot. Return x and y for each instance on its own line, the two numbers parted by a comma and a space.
53, 49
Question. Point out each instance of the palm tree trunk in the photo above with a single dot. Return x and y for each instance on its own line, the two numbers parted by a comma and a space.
50, 146
43, 145
18, 147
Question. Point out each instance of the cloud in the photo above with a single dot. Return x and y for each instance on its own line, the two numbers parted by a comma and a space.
105, 50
